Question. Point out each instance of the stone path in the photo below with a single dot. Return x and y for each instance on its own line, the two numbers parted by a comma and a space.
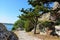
24, 36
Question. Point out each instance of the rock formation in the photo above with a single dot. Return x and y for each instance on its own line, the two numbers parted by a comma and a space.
6, 35
53, 17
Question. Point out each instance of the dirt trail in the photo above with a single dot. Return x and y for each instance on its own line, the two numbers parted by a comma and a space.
22, 35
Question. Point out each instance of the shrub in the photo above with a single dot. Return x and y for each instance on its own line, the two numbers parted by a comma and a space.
28, 26
57, 22
18, 24
46, 24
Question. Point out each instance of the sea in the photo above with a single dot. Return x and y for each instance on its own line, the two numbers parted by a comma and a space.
8, 26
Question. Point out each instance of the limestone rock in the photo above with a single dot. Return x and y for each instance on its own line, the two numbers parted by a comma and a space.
56, 5
44, 17
57, 29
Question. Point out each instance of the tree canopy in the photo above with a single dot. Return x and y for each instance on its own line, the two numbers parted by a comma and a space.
30, 15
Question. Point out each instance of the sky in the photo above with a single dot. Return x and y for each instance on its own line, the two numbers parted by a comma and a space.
9, 10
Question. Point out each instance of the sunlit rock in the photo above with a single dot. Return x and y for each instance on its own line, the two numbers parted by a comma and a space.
44, 17
56, 5
57, 29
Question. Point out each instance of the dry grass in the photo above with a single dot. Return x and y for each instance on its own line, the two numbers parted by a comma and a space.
44, 37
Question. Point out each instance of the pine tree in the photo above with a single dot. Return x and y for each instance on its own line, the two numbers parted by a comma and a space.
33, 13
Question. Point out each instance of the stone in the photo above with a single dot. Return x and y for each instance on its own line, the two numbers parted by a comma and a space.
12, 36
58, 12
7, 35
4, 35
43, 33
57, 29
2, 27
56, 5
44, 17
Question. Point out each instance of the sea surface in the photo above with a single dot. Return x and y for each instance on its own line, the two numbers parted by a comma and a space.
8, 26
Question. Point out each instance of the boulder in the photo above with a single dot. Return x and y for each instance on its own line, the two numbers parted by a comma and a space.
12, 36
2, 36
7, 35
2, 27
56, 5
57, 30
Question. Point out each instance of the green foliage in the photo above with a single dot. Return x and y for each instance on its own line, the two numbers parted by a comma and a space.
18, 24
28, 26
31, 15
47, 24
37, 2
57, 22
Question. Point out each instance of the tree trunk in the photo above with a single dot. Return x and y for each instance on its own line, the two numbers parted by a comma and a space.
35, 26
35, 29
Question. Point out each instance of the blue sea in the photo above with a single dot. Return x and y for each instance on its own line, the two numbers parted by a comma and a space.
9, 26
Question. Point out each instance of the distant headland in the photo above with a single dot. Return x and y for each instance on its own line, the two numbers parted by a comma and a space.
8, 23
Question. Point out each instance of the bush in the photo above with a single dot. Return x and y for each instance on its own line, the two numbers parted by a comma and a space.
57, 22
28, 26
47, 24
18, 24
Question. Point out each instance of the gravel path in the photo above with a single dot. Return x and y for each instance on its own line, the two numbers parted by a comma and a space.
24, 36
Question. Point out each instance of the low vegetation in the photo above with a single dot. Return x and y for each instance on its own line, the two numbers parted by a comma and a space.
18, 24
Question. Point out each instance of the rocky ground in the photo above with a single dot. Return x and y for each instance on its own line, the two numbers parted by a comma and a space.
22, 35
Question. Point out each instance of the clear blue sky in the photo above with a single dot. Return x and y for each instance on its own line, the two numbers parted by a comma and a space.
9, 10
